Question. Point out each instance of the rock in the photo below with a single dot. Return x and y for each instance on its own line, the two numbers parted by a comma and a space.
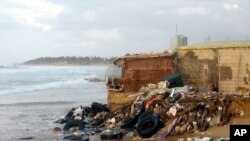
94, 79
57, 129
26, 138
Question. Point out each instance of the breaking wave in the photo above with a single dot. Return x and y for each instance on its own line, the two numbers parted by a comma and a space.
23, 79
36, 87
37, 103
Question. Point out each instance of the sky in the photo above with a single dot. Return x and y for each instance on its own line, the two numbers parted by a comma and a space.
39, 28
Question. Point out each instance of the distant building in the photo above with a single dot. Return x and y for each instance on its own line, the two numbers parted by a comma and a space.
179, 40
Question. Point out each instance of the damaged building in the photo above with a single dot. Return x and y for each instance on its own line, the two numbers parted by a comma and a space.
216, 66
212, 66
129, 73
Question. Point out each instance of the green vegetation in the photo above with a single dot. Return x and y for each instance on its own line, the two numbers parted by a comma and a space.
70, 61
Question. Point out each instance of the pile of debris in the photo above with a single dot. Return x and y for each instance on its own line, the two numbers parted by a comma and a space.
156, 113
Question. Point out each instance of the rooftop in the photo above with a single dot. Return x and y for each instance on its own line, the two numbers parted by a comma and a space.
221, 44
146, 55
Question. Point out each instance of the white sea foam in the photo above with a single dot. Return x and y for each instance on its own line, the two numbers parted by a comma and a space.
35, 87
23, 79
29, 69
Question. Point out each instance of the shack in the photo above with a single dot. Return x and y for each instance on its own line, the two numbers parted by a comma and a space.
130, 72
216, 66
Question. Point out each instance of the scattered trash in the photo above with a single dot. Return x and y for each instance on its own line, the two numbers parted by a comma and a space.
180, 139
148, 124
61, 120
77, 137
57, 129
94, 79
111, 134
183, 89
26, 138
157, 112
74, 123
174, 80
204, 139
130, 134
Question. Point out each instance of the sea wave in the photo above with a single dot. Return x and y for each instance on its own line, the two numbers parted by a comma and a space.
21, 79
43, 69
36, 87
37, 103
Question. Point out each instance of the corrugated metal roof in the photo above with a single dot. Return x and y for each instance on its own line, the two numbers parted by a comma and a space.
222, 44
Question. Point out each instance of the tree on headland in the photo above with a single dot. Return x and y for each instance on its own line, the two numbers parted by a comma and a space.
88, 60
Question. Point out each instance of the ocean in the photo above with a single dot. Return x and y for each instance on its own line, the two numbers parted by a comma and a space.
19, 79
33, 97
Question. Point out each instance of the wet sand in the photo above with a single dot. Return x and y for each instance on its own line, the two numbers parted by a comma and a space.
33, 114
214, 132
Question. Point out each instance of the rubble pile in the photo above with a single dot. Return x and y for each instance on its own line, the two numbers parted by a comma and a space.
157, 112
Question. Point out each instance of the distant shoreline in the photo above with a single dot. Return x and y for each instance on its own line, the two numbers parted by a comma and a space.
70, 61
64, 65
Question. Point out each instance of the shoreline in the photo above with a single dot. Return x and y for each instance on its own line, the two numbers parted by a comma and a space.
23, 121
63, 65
33, 114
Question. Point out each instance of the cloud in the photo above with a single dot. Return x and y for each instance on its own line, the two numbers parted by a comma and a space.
160, 13
36, 13
231, 6
90, 16
95, 37
88, 43
104, 35
194, 11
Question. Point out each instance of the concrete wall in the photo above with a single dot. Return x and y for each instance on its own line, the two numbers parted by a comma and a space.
234, 70
225, 69
199, 67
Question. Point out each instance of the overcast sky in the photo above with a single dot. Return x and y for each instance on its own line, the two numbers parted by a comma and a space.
36, 28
